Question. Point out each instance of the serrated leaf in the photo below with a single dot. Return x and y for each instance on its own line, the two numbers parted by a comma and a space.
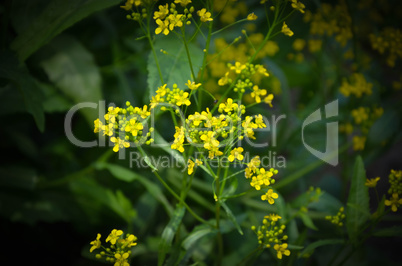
55, 17
71, 67
358, 201
310, 248
169, 232
174, 65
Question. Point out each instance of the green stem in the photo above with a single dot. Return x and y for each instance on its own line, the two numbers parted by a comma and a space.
188, 53
204, 63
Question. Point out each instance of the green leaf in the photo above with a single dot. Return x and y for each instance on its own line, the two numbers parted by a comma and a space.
124, 174
198, 233
169, 232
307, 221
174, 65
232, 218
358, 201
31, 94
310, 248
73, 70
57, 16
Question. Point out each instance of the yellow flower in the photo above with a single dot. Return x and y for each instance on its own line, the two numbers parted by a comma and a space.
134, 127
204, 15
121, 260
236, 154
259, 121
190, 167
119, 143
273, 217
98, 125
175, 21
238, 67
372, 182
257, 92
286, 30
129, 241
358, 143
270, 196
224, 80
394, 202
96, 243
192, 85
252, 16
269, 99
298, 6
163, 26
281, 249
229, 106
182, 99
299, 44
209, 140
112, 114
179, 140
162, 13
113, 236
108, 129
360, 115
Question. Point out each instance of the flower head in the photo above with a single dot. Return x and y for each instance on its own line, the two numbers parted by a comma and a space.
163, 26
286, 30
236, 154
251, 16
394, 202
96, 243
296, 4
372, 182
270, 196
192, 85
204, 15
282, 249
113, 236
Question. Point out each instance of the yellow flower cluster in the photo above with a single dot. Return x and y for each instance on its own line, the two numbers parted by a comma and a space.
169, 18
338, 218
388, 41
191, 164
125, 125
245, 74
173, 96
331, 21
372, 182
395, 190
363, 119
269, 234
355, 85
120, 247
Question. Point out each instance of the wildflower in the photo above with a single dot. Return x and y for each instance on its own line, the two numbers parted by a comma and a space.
182, 99
190, 167
224, 80
236, 154
121, 260
360, 115
108, 129
112, 114
251, 17
298, 6
192, 85
204, 15
134, 126
213, 152
270, 196
98, 125
358, 143
338, 218
372, 182
175, 21
286, 30
257, 92
162, 13
229, 106
179, 140
273, 217
96, 243
113, 236
282, 249
268, 99
238, 67
259, 121
299, 44
394, 202
119, 143
129, 241
163, 26
209, 140
144, 113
